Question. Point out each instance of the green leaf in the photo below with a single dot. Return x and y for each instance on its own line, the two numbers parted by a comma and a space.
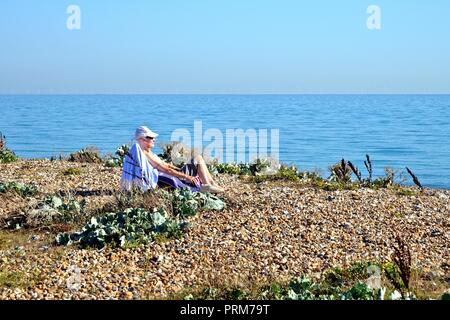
63, 239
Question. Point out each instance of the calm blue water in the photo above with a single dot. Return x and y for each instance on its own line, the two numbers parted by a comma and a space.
315, 130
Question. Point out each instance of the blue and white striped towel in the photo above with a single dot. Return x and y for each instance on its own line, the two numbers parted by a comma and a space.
137, 171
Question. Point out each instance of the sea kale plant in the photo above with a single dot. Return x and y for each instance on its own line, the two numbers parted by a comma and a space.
57, 210
353, 283
135, 226
259, 167
303, 288
130, 227
6, 155
300, 288
186, 203
22, 189
117, 160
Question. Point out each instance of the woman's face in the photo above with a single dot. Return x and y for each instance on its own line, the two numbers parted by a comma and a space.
147, 142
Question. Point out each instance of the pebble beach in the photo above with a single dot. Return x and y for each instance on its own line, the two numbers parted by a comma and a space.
272, 230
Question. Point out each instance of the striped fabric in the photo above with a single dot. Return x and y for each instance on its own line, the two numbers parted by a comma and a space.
137, 171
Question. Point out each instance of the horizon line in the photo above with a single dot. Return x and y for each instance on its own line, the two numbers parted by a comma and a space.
218, 93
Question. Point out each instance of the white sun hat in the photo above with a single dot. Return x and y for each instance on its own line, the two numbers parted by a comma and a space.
143, 131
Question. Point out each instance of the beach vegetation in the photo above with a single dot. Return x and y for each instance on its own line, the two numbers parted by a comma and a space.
350, 283
340, 173
12, 279
186, 203
415, 179
55, 210
86, 155
21, 189
406, 192
138, 225
18, 279
299, 288
132, 226
6, 155
399, 272
118, 158
71, 172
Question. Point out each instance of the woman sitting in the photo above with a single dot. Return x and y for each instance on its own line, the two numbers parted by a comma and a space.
145, 170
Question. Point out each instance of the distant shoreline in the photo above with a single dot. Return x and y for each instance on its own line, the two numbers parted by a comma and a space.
224, 94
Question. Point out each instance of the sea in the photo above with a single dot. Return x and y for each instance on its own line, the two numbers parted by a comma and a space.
311, 132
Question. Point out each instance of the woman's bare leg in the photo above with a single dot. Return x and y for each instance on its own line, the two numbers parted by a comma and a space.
202, 169
203, 172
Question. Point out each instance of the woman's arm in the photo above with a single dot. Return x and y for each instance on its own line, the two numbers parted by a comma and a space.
172, 166
157, 163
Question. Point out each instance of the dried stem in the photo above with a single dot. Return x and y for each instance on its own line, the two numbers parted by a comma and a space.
402, 259
355, 171
415, 179
2, 141
368, 165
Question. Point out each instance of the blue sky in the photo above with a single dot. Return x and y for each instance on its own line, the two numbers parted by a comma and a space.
224, 46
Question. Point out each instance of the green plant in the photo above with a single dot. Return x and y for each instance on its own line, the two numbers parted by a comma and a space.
228, 168
406, 192
129, 199
208, 201
340, 173
337, 277
132, 226
288, 173
357, 271
118, 160
392, 274
6, 155
186, 203
335, 186
236, 294
54, 210
334, 277
383, 182
22, 189
12, 279
301, 288
274, 291
210, 294
257, 167
360, 291
72, 172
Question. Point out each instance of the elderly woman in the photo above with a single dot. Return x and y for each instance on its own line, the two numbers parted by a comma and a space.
145, 170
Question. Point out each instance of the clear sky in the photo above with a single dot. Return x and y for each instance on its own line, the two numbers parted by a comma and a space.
224, 46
